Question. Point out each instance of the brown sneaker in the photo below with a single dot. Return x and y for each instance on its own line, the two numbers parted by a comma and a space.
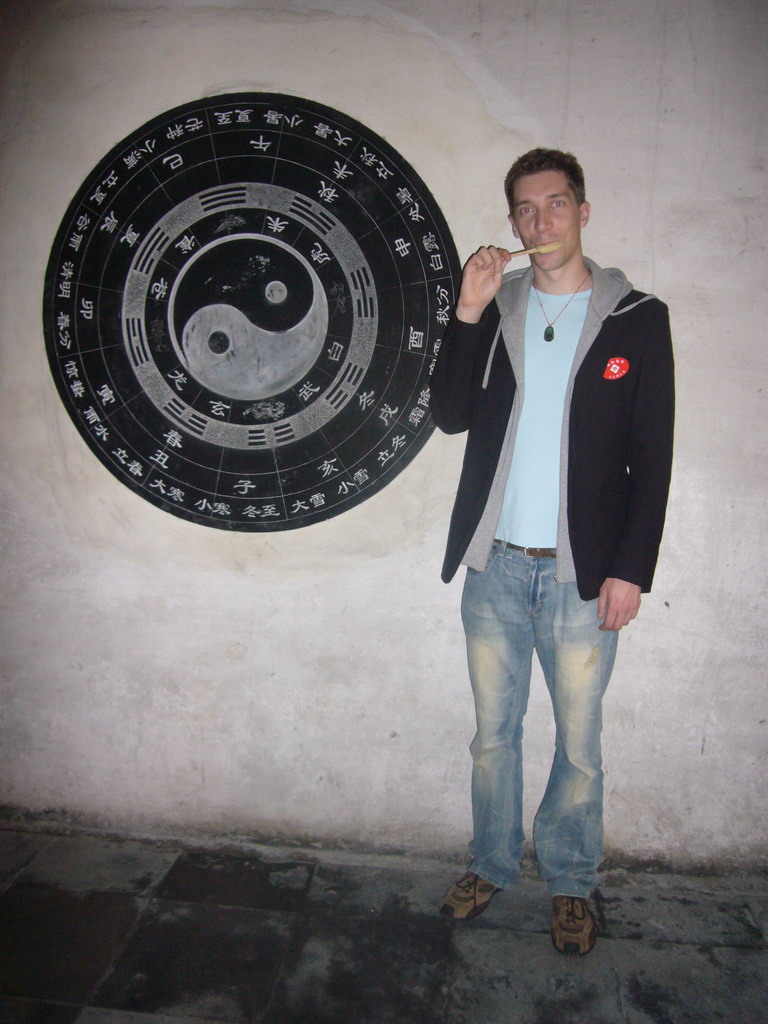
468, 897
573, 927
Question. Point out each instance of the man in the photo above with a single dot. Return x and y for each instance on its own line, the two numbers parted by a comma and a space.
562, 374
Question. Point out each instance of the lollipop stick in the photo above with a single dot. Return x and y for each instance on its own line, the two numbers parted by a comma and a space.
549, 247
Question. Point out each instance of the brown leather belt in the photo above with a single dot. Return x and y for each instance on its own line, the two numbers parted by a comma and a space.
530, 552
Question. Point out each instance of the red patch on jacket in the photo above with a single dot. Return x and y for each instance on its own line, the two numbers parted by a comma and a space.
616, 368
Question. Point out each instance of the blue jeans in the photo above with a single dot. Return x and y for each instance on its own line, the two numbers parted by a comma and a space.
511, 608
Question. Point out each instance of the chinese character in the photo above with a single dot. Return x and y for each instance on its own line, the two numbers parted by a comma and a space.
387, 413
86, 309
187, 243
160, 288
443, 301
329, 467
276, 225
173, 439
174, 161
339, 296
178, 379
130, 236
106, 394
219, 408
335, 351
416, 416
341, 171
416, 339
318, 255
327, 192
261, 143
110, 223
307, 390
403, 247
365, 399
161, 458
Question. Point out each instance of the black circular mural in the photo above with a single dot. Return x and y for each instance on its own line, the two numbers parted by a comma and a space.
242, 307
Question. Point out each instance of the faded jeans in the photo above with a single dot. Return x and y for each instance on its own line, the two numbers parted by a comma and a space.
511, 608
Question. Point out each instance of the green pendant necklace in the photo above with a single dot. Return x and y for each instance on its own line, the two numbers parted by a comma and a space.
549, 330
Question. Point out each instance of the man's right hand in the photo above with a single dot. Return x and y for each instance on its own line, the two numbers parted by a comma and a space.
480, 282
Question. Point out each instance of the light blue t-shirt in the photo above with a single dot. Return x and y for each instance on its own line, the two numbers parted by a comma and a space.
532, 496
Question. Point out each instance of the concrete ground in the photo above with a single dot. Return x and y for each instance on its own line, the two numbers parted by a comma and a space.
100, 930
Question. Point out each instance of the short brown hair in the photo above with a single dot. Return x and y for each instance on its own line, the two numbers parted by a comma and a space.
545, 160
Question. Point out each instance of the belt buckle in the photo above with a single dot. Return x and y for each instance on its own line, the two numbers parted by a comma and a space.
507, 548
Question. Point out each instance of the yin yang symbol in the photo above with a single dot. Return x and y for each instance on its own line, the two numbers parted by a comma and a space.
261, 317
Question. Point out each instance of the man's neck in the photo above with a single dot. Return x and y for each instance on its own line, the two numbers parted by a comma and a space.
563, 280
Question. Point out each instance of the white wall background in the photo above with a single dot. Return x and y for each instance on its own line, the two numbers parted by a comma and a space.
158, 675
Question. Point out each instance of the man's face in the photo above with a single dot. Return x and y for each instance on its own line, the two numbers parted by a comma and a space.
545, 210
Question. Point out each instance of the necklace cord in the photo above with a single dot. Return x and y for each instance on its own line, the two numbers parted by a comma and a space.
549, 331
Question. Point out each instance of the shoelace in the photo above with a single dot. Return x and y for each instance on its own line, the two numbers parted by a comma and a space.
574, 910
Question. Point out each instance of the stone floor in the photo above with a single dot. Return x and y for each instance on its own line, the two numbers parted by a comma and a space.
100, 930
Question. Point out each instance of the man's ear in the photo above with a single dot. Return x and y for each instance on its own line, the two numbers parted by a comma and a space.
584, 211
515, 232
